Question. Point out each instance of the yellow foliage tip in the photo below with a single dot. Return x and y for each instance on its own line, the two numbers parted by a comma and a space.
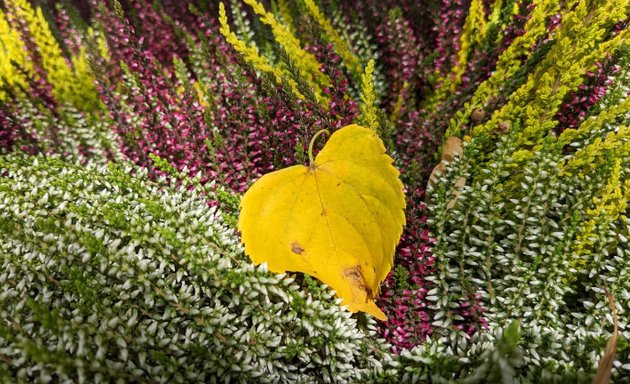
591, 156
338, 219
368, 98
285, 14
400, 102
608, 207
473, 33
495, 12
612, 201
101, 43
71, 80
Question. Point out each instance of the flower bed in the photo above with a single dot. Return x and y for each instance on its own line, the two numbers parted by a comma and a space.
129, 132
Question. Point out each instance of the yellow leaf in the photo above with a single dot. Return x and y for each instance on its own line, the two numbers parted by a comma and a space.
338, 220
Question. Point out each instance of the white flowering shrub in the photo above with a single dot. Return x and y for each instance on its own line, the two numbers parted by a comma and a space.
111, 277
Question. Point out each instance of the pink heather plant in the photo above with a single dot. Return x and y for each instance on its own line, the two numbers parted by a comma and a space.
158, 36
153, 117
451, 20
256, 127
13, 136
404, 290
402, 54
70, 36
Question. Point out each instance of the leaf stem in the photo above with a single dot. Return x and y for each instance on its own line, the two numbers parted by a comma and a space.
310, 145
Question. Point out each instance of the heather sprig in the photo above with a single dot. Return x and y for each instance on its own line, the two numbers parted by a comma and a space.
351, 61
368, 98
305, 61
508, 64
473, 33
14, 56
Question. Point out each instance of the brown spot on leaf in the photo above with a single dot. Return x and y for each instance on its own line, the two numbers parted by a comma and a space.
354, 273
296, 248
368, 293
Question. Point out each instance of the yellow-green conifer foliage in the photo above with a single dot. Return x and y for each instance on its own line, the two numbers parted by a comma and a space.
285, 14
589, 158
308, 67
305, 61
475, 28
607, 116
608, 208
474, 33
250, 54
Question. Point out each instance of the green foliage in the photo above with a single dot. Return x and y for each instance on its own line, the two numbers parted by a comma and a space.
576, 48
501, 363
540, 228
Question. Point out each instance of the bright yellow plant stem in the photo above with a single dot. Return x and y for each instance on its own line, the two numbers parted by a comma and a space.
12, 57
